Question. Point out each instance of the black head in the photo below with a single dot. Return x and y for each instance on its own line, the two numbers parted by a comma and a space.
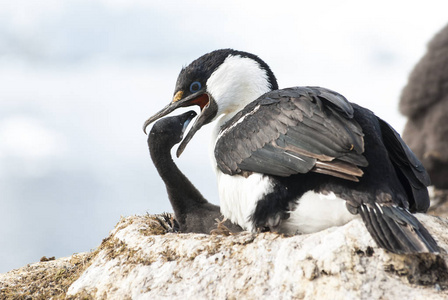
193, 78
191, 88
170, 130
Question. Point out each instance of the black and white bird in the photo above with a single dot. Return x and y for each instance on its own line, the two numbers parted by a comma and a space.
192, 211
301, 159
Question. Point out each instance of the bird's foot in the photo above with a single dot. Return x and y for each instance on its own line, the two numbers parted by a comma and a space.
271, 211
221, 229
271, 222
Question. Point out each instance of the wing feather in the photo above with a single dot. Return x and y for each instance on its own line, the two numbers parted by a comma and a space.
411, 172
292, 131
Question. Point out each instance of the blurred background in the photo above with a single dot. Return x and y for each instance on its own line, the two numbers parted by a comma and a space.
78, 79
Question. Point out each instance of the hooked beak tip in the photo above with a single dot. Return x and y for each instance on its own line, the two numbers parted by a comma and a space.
179, 152
145, 126
166, 110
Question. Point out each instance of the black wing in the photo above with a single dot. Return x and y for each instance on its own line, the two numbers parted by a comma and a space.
290, 131
410, 170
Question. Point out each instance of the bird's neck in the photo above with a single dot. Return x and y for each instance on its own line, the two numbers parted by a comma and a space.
181, 192
236, 83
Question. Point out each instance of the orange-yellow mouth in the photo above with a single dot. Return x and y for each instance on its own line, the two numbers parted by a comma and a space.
201, 101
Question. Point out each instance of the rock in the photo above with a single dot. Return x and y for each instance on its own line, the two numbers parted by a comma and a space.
44, 280
143, 259
439, 202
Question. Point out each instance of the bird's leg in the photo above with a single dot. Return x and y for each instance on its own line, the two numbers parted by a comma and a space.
270, 214
274, 207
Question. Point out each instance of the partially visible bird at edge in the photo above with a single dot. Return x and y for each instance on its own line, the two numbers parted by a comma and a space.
424, 101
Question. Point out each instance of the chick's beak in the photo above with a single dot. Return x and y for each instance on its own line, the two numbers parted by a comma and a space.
203, 100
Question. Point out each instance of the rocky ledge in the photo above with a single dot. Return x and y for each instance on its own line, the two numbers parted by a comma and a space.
143, 259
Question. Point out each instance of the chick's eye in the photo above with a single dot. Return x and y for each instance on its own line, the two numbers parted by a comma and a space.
195, 86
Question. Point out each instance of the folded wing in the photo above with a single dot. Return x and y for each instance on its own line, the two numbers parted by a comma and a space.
290, 131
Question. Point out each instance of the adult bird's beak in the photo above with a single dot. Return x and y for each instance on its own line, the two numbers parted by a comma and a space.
208, 112
203, 100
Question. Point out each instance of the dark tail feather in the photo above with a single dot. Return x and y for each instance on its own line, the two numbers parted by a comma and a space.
397, 230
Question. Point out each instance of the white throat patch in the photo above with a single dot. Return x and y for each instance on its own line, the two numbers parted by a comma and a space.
237, 82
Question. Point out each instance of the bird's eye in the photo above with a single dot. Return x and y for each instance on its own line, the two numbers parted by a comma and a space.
195, 86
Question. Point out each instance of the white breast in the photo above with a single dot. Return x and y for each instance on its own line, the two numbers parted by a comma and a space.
239, 195
316, 212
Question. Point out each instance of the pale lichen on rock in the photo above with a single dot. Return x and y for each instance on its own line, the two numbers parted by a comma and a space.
338, 263
143, 258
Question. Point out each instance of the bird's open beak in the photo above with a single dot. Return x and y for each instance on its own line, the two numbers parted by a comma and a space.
203, 100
